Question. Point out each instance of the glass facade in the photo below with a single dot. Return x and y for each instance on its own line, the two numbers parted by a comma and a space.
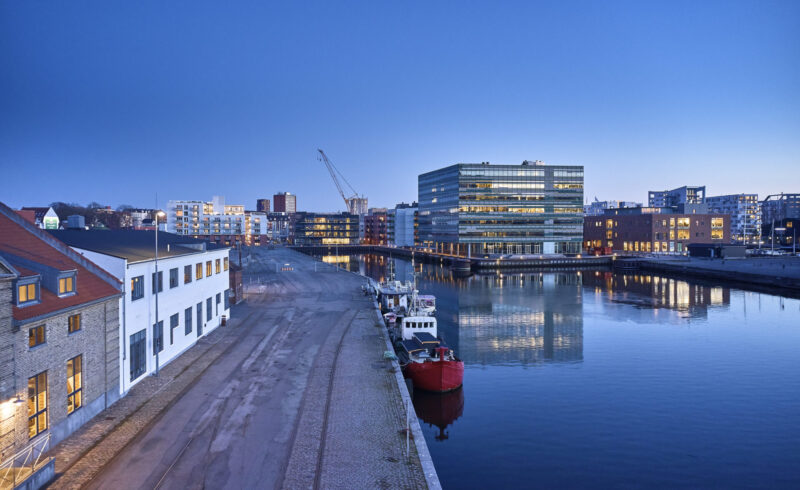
475, 209
326, 229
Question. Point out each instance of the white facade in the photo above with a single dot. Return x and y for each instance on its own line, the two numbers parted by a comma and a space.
207, 295
206, 218
404, 226
745, 213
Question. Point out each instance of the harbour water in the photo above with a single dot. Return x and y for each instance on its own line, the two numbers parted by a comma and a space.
603, 380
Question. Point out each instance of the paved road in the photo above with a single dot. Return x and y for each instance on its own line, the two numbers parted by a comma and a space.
237, 426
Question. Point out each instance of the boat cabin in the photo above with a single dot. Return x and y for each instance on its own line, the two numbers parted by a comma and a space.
418, 325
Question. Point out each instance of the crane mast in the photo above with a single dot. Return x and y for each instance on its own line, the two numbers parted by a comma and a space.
352, 203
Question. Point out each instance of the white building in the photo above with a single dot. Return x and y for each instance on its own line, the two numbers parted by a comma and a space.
192, 296
404, 225
224, 224
745, 213
597, 208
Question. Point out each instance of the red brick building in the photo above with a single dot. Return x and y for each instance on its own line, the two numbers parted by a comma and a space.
376, 228
659, 233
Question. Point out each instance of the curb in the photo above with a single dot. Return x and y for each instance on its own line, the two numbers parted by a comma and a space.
425, 459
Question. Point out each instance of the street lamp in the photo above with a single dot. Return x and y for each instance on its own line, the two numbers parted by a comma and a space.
157, 287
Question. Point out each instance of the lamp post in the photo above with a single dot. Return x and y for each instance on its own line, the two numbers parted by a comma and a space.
157, 285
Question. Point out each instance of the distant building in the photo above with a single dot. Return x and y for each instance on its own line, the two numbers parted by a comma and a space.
44, 217
192, 284
654, 232
325, 229
76, 221
404, 229
262, 206
59, 331
358, 205
217, 222
285, 202
478, 208
280, 227
137, 217
598, 207
781, 212
376, 227
745, 213
675, 197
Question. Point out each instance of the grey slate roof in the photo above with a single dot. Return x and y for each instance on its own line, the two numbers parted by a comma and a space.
134, 245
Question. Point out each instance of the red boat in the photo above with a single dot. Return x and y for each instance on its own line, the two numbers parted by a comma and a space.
442, 373
431, 365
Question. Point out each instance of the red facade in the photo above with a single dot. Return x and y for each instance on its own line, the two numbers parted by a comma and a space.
655, 233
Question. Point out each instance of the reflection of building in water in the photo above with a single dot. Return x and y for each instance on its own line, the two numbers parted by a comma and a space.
650, 293
345, 262
520, 318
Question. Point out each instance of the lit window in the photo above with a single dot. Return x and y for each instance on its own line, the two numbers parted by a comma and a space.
217, 266
137, 288
208, 268
74, 384
66, 285
74, 323
36, 336
37, 404
26, 293
198, 271
225, 263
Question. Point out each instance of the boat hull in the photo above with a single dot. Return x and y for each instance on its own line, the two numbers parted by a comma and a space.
437, 376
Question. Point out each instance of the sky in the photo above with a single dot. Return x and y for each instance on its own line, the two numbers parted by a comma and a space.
141, 102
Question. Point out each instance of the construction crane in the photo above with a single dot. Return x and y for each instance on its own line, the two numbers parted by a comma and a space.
355, 204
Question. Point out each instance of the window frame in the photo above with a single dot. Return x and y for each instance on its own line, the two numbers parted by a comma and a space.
27, 283
71, 328
225, 263
208, 268
187, 274
208, 310
31, 336
137, 287
160, 282
174, 322
198, 271
72, 279
187, 320
76, 395
33, 404
173, 278
158, 337
139, 354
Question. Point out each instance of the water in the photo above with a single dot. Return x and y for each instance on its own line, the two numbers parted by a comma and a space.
595, 379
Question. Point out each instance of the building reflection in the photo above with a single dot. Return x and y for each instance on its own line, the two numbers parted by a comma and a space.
520, 318
439, 409
649, 294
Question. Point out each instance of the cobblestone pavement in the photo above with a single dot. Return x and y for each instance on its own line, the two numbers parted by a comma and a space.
279, 399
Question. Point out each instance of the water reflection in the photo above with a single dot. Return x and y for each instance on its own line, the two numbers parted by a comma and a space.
648, 294
439, 409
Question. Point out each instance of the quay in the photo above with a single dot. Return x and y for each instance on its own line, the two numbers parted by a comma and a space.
461, 264
294, 392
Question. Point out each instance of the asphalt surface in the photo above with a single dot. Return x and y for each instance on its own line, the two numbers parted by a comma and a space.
286, 406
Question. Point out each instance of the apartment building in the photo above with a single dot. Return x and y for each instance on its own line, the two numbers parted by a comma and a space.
404, 229
284, 202
745, 213
597, 208
59, 328
676, 197
376, 229
326, 229
217, 222
170, 299
478, 208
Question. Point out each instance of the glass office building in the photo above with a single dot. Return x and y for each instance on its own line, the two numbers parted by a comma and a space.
475, 209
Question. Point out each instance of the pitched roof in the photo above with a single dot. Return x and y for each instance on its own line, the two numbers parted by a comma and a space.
134, 245
21, 241
39, 212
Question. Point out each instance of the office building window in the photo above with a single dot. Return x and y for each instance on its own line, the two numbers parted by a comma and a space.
208, 310
36, 336
198, 271
74, 323
158, 337
187, 274
74, 384
208, 268
138, 351
174, 321
158, 283
173, 278
27, 293
187, 321
217, 266
37, 404
225, 263
137, 288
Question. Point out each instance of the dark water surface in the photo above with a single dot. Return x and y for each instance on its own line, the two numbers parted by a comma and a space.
602, 380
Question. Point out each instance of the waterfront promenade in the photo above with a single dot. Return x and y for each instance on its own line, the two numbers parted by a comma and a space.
294, 393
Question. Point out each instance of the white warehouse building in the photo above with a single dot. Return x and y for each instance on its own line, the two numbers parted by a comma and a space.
193, 293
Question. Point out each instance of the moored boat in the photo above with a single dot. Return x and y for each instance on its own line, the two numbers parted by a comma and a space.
426, 360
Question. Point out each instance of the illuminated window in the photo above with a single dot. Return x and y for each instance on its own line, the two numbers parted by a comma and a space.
225, 263
74, 323
198, 271
671, 234
37, 404
683, 234
26, 293
716, 234
66, 285
74, 384
684, 222
717, 222
36, 336
672, 222
208, 268
217, 266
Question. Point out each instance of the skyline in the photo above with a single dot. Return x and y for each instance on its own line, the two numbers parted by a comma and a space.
174, 98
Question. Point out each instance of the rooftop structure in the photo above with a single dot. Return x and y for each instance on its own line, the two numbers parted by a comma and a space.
674, 197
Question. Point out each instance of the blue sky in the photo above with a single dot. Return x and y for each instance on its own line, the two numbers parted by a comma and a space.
117, 101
